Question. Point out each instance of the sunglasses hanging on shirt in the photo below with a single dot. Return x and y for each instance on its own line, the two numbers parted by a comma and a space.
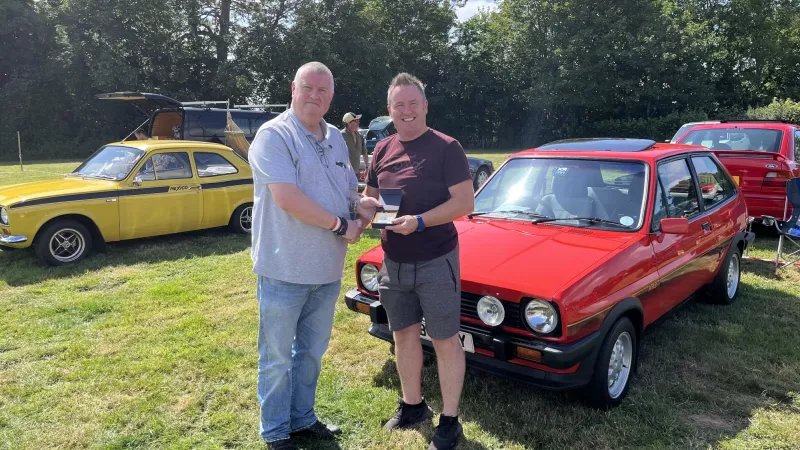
323, 158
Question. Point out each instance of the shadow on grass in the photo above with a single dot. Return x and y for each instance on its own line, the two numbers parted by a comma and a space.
704, 374
311, 444
22, 267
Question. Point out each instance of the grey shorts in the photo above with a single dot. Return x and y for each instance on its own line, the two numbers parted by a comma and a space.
429, 289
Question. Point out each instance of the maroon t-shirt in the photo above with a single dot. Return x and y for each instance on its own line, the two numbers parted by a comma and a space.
424, 169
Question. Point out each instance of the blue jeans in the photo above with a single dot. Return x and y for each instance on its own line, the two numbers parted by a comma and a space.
294, 329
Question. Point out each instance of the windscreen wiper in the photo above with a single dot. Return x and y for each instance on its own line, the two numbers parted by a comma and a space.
588, 219
83, 175
509, 211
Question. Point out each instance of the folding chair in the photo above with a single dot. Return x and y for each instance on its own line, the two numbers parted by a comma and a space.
785, 230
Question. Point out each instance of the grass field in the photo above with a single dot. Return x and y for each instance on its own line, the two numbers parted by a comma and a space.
153, 345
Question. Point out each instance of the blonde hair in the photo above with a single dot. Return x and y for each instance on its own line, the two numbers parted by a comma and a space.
404, 79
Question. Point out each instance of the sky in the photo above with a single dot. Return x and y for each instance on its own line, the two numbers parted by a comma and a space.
471, 8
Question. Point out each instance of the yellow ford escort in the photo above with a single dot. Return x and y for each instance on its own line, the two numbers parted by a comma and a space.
129, 190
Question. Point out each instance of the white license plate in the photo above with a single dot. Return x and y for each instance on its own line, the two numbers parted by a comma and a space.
466, 339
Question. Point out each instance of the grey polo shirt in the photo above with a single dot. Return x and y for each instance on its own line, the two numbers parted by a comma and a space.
285, 151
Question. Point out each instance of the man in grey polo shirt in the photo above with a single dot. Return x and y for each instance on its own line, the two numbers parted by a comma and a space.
305, 191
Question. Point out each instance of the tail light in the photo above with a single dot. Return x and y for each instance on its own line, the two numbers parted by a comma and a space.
708, 189
776, 179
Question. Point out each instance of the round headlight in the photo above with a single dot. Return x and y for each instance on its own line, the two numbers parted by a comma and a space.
541, 316
369, 277
3, 216
491, 311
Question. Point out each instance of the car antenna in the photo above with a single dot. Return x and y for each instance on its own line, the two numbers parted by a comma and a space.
134, 130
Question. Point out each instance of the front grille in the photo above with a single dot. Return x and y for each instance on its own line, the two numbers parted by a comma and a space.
469, 308
480, 337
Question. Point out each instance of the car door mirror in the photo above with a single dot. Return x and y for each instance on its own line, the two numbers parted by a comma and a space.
137, 181
677, 225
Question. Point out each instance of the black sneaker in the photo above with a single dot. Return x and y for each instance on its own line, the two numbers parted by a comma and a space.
319, 430
283, 444
408, 415
447, 434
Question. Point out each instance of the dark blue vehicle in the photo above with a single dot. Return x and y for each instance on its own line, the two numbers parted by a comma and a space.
171, 119
382, 127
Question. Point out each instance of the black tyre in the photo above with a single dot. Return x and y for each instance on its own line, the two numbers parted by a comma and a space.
481, 175
615, 366
63, 242
242, 219
725, 287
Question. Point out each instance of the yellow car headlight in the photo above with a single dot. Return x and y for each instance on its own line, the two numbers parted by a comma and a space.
3, 216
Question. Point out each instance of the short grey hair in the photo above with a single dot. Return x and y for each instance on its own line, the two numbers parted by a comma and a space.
315, 67
404, 79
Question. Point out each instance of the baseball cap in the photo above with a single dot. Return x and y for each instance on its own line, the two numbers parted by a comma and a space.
349, 117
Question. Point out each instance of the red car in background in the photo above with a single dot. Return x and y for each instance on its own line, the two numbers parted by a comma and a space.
760, 155
574, 249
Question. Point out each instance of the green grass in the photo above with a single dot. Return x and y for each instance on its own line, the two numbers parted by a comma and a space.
153, 345
10, 173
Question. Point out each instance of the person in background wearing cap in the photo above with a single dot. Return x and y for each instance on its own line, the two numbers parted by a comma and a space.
356, 146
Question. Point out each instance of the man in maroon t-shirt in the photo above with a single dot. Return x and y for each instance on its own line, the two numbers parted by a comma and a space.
420, 274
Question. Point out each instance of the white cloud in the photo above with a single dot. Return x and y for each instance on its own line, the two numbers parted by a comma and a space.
472, 6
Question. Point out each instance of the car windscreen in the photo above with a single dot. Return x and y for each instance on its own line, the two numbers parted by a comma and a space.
564, 190
112, 162
752, 139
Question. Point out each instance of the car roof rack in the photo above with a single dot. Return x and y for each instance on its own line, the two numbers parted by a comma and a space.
265, 106
754, 120
600, 144
206, 103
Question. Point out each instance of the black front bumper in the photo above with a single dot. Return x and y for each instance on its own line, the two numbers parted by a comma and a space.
502, 346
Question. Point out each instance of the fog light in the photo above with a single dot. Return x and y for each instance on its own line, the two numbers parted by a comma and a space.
369, 277
491, 311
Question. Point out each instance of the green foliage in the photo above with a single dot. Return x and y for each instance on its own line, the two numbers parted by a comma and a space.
528, 72
787, 110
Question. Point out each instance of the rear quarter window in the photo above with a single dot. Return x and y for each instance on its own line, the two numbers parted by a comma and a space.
715, 186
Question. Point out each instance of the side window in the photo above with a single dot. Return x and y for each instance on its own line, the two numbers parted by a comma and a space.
681, 195
242, 122
659, 209
212, 165
206, 124
146, 173
797, 146
715, 186
166, 166
255, 124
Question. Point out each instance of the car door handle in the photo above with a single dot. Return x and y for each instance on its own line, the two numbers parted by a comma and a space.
707, 226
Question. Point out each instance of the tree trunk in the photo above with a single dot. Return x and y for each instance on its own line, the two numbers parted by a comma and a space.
224, 30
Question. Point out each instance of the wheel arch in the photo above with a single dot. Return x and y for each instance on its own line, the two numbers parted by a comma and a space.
97, 237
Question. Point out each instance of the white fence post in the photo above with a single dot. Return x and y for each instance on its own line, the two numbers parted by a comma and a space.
19, 143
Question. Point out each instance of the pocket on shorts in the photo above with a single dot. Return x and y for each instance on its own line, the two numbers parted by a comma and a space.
452, 274
383, 274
